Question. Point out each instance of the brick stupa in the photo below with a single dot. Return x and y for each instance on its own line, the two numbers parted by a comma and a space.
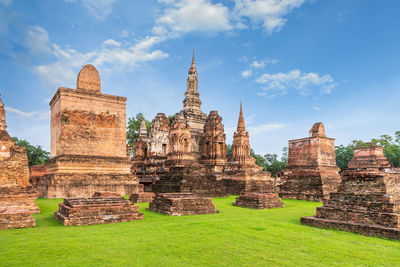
311, 173
368, 199
255, 186
88, 142
17, 196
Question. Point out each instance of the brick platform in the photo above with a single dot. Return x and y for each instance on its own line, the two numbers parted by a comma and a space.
141, 197
178, 204
96, 210
359, 228
259, 201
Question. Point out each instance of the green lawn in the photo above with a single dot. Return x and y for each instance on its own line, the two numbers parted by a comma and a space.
234, 237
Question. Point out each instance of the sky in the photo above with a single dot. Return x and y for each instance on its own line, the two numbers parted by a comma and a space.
291, 62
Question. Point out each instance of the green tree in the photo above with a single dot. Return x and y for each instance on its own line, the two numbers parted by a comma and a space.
36, 154
132, 130
273, 164
229, 150
260, 160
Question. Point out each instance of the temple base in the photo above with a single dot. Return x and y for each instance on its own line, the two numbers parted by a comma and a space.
178, 204
97, 210
364, 229
259, 201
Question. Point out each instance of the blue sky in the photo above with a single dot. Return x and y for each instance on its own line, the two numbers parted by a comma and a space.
291, 62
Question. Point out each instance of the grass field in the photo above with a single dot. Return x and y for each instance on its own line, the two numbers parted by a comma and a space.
234, 237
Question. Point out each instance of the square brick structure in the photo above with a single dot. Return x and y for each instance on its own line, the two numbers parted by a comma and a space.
88, 142
259, 195
178, 204
17, 196
368, 199
102, 208
311, 173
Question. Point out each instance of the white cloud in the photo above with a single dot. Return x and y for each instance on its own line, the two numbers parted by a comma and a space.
247, 73
264, 128
63, 69
97, 8
277, 84
261, 64
112, 42
37, 115
183, 16
37, 40
124, 34
317, 108
271, 13
6, 2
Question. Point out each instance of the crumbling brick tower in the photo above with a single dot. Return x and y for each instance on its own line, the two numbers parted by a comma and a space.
311, 173
214, 147
88, 142
17, 196
368, 199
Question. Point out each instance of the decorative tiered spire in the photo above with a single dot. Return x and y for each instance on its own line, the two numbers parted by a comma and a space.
143, 129
3, 125
241, 127
192, 96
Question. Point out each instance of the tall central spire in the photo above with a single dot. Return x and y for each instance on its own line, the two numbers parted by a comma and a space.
241, 127
192, 96
3, 125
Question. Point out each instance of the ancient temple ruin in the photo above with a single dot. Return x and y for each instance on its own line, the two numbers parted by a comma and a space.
88, 142
311, 173
188, 156
17, 196
368, 199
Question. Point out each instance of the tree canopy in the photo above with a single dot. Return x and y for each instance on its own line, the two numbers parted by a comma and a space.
133, 127
36, 154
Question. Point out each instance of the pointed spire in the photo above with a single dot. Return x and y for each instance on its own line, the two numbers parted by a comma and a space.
143, 129
241, 127
193, 69
3, 125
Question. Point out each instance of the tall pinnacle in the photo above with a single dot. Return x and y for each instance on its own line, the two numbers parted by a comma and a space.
193, 69
192, 99
3, 125
241, 126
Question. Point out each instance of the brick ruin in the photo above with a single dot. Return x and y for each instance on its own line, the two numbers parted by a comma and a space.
149, 162
88, 142
17, 196
311, 173
368, 199
256, 188
179, 204
188, 155
102, 208
36, 172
